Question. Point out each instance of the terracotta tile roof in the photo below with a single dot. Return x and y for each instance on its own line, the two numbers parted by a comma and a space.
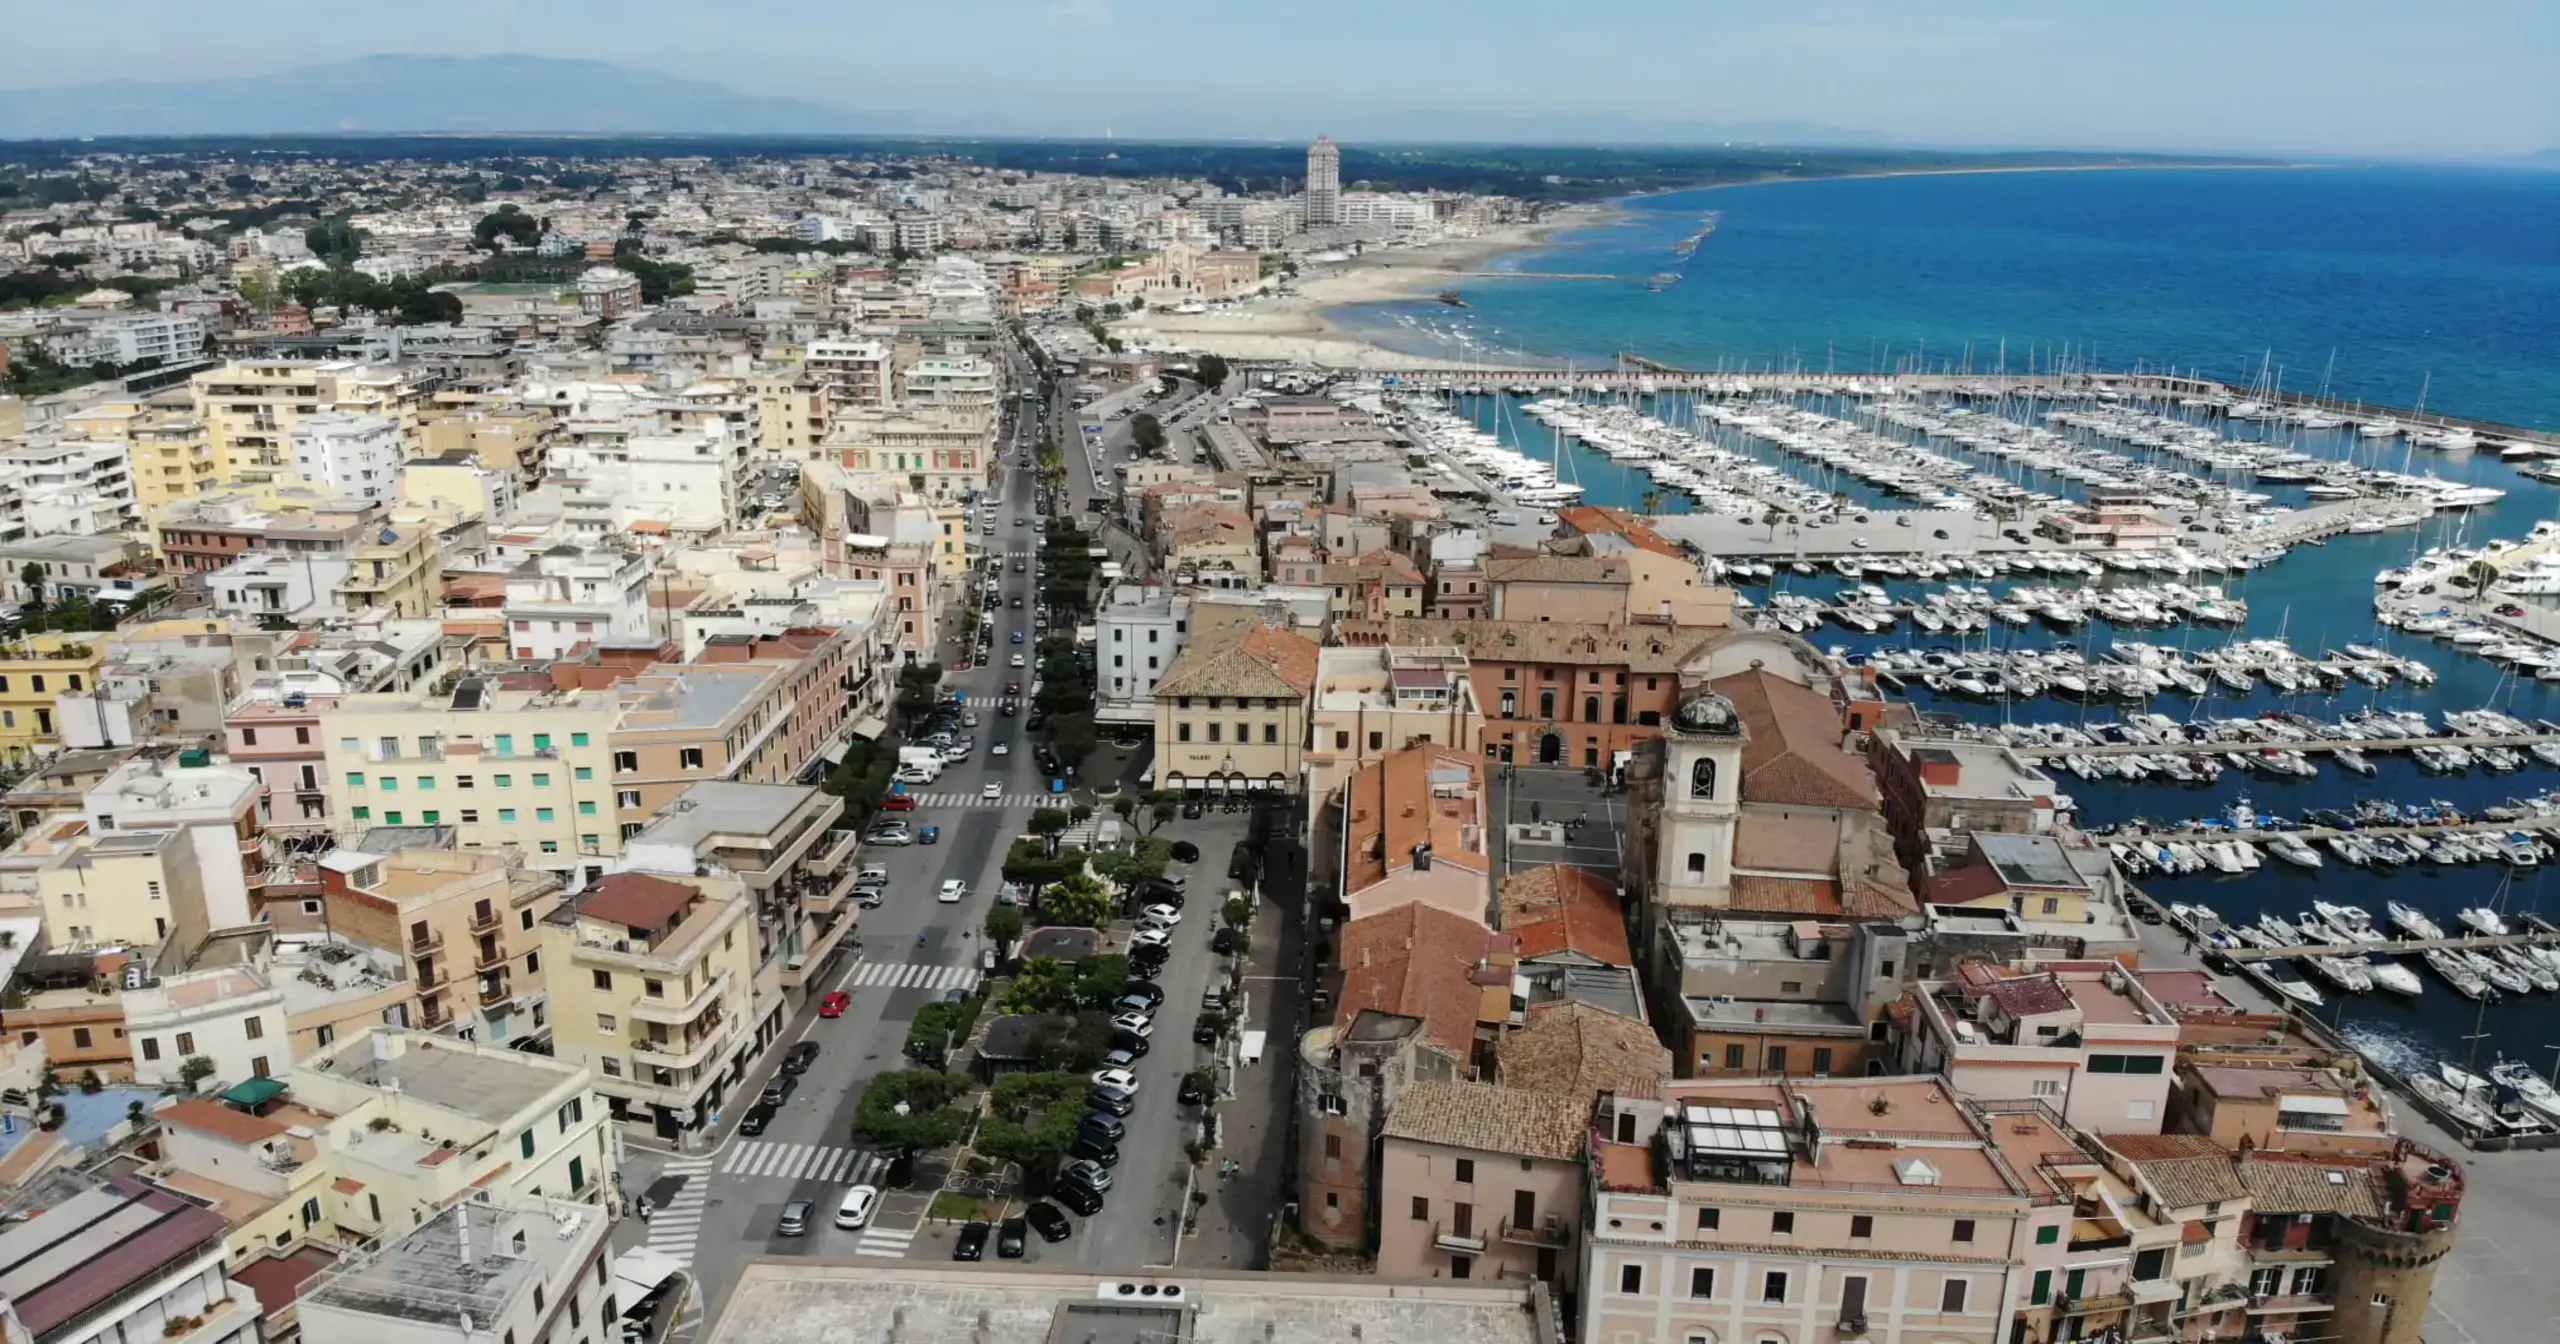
1962, 886
1393, 805
1488, 1118
635, 900
1579, 1050
1546, 567
2186, 1169
1757, 894
1419, 961
1555, 907
1590, 518
1256, 659
212, 1117
1793, 753
347, 1185
2029, 996
1638, 649
2283, 1183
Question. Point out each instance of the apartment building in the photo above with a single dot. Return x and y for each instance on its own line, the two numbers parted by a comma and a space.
1757, 998
939, 453
125, 890
565, 598
1477, 1181
1411, 828
1874, 1209
1138, 632
1231, 712
229, 1015
267, 1181
1369, 700
103, 1260
490, 1267
395, 569
504, 764
466, 921
781, 843
250, 407
214, 804
358, 456
275, 736
849, 373
66, 488
423, 1120
691, 481
34, 669
652, 988
1564, 694
172, 458
505, 438
1935, 793
201, 535
2086, 1038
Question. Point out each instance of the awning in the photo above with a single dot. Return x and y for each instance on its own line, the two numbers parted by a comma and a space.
255, 1092
870, 726
641, 1270
834, 755
2312, 1105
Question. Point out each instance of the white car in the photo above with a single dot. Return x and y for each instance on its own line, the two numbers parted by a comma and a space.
1161, 914
991, 789
1136, 1024
1119, 1078
857, 1206
1156, 936
953, 892
1014, 661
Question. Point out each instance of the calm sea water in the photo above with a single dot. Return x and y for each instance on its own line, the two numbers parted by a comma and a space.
2380, 284
2447, 280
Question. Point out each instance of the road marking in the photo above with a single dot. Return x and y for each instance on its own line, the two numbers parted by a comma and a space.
887, 1242
894, 975
833, 1164
673, 1229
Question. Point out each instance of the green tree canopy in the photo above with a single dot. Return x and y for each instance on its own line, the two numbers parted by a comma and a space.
1032, 1117
508, 221
933, 1117
1147, 433
1211, 370
940, 1029
1078, 900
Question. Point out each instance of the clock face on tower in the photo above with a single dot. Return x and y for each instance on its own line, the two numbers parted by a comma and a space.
1706, 712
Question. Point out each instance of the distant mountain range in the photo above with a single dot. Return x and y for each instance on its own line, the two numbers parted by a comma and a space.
394, 94
419, 94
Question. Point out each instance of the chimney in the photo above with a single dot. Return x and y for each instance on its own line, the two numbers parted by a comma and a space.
1422, 858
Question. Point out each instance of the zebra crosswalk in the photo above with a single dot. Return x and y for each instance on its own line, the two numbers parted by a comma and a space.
1034, 800
673, 1229
892, 975
889, 1243
761, 1159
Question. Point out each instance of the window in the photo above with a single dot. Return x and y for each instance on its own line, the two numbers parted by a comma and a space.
1822, 1061
577, 739
543, 814
1951, 1298
1631, 1278
364, 814
1333, 1147
506, 814
1733, 1056
1710, 1219
1773, 1286
1702, 1281
2126, 1063
1862, 1225
1697, 863
524, 1143
505, 781
1777, 1060
586, 809
605, 1023
355, 779
1462, 1266
255, 1027
604, 980
470, 816
542, 781
532, 963
462, 781
1182, 732
1782, 1223
186, 1042
1376, 739
2042, 1291
1467, 1170
426, 781
2044, 1087
1421, 1209
150, 1047
2046, 1236
584, 772
570, 1113
626, 760
1214, 729
689, 758
1702, 778
389, 784
80, 1038
430, 816
391, 818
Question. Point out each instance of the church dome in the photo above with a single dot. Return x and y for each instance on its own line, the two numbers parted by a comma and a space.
1706, 712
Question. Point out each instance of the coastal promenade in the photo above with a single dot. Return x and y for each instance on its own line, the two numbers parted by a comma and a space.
2538, 938
2310, 747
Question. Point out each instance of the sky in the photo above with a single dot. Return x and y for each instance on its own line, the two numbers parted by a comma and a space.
2324, 77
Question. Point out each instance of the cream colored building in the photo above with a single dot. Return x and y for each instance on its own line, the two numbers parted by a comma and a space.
1231, 713
250, 407
269, 1182
1801, 1210
229, 1015
394, 568
653, 987
504, 766
941, 454
422, 1120
130, 889
782, 843
1477, 1181
466, 921
1370, 700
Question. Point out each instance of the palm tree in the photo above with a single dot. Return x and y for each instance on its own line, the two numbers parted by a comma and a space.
1652, 500
1772, 517
2482, 574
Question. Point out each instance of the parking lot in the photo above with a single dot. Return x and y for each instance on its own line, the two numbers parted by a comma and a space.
1589, 826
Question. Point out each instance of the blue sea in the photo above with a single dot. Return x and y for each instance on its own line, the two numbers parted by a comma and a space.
2373, 283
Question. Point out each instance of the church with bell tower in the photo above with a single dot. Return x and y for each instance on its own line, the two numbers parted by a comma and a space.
1702, 748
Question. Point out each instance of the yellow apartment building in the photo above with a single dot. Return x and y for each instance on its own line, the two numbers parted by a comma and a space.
506, 766
1231, 713
249, 409
395, 568
33, 670
652, 985
467, 921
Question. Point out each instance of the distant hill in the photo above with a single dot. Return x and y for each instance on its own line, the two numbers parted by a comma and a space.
419, 93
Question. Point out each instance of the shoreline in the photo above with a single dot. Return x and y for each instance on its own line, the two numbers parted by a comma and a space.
1305, 327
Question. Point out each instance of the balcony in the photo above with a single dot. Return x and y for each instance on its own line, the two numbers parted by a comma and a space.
1553, 1232
494, 958
1470, 1243
487, 921
427, 945
492, 995
674, 1014
677, 1054
832, 851
432, 980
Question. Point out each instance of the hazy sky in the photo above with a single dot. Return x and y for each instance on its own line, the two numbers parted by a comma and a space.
2311, 76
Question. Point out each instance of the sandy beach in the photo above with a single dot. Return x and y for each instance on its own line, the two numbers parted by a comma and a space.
1293, 326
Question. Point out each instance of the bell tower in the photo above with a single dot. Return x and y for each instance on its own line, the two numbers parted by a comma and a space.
1701, 802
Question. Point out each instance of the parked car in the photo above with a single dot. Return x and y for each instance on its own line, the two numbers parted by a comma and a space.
800, 1057
1119, 1078
898, 802
1223, 941
972, 1244
1090, 1150
1147, 995
1136, 1024
780, 1089
1110, 1099
1205, 1030
1088, 1173
1085, 1200
1011, 1239
834, 1004
1048, 1222
754, 1121
1191, 1093
1108, 1128
953, 891
929, 835
795, 1218
856, 1207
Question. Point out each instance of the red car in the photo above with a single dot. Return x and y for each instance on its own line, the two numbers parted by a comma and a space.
898, 802
1013, 688
833, 1005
